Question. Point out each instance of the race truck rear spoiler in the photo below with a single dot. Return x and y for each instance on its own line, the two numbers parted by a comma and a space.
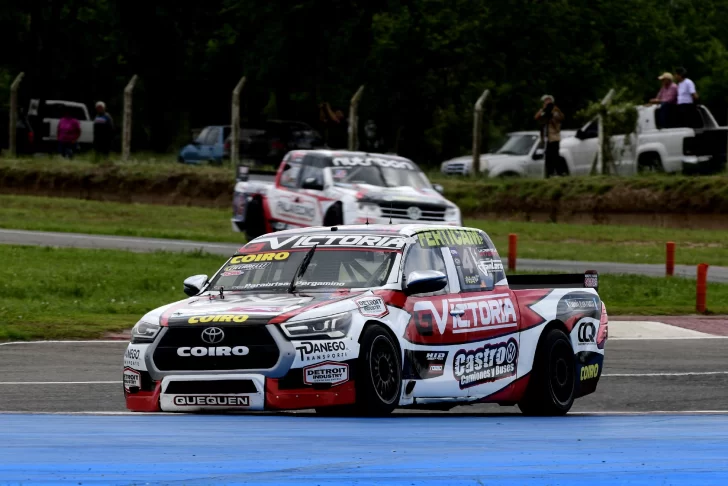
587, 280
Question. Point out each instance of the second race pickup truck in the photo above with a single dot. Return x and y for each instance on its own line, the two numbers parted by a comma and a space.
328, 188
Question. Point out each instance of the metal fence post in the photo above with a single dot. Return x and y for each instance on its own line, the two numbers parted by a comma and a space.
235, 123
353, 118
600, 155
12, 133
478, 129
126, 129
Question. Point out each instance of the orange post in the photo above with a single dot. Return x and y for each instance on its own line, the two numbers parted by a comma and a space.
670, 258
701, 291
512, 248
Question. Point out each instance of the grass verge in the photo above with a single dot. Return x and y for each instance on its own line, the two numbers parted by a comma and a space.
161, 182
630, 244
71, 293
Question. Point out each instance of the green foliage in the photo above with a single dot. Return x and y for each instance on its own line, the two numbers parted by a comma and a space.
618, 117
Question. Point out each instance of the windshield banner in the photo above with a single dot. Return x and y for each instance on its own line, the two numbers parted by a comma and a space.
369, 161
324, 241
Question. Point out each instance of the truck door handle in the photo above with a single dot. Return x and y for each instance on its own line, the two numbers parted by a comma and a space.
457, 312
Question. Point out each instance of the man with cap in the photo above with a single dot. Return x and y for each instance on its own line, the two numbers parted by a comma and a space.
103, 131
550, 117
666, 98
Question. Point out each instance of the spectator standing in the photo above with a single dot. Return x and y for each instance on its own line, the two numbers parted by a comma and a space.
372, 141
666, 98
337, 131
550, 117
68, 133
103, 131
686, 97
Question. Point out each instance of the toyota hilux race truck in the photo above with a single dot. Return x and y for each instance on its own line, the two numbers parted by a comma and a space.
364, 319
328, 188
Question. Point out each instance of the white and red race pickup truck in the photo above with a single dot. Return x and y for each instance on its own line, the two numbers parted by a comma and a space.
329, 188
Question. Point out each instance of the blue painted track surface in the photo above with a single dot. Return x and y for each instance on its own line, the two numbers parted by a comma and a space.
413, 450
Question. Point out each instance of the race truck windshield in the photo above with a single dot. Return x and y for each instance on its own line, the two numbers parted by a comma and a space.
376, 175
328, 269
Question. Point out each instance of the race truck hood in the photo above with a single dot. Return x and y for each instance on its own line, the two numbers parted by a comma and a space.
402, 194
239, 308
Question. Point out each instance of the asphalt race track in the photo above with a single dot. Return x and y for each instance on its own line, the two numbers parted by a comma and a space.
76, 240
660, 415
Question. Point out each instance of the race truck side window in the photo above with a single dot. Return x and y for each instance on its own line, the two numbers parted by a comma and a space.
419, 258
313, 169
289, 178
478, 265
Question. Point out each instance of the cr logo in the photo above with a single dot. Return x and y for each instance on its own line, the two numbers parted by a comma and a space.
586, 332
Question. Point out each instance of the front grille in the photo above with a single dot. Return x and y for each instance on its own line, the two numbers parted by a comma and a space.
262, 349
398, 210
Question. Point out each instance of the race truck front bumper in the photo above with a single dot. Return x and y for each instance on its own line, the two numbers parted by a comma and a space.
156, 379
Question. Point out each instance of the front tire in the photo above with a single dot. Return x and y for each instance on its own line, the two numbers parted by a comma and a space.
254, 220
553, 378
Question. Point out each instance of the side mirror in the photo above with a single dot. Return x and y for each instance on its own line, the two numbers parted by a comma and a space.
286, 167
242, 174
425, 281
579, 134
194, 284
313, 184
438, 188
538, 154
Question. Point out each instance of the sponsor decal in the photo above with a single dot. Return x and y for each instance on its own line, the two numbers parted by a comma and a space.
132, 379
326, 373
134, 357
232, 273
454, 252
199, 351
320, 350
589, 372
335, 241
485, 364
586, 333
591, 280
480, 314
426, 364
487, 253
212, 335
368, 161
487, 266
450, 237
302, 211
581, 304
217, 318
472, 279
247, 266
372, 307
261, 257
210, 401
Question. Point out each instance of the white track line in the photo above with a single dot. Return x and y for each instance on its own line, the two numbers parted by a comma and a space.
60, 382
665, 338
689, 373
66, 342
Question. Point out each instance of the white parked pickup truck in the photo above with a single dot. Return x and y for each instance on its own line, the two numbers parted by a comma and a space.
669, 149
45, 114
521, 155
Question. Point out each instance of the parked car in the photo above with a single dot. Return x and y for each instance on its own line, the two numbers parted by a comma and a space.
24, 135
268, 143
362, 320
43, 117
521, 155
207, 147
329, 188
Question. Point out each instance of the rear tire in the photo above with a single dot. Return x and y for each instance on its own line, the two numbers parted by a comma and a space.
254, 220
334, 216
650, 163
553, 377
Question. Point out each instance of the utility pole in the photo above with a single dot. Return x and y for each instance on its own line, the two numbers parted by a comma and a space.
126, 128
235, 123
353, 118
12, 147
478, 129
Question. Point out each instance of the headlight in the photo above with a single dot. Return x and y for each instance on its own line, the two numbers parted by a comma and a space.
336, 326
144, 332
452, 213
369, 209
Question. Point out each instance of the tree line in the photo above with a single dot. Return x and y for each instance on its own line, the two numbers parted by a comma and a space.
423, 62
